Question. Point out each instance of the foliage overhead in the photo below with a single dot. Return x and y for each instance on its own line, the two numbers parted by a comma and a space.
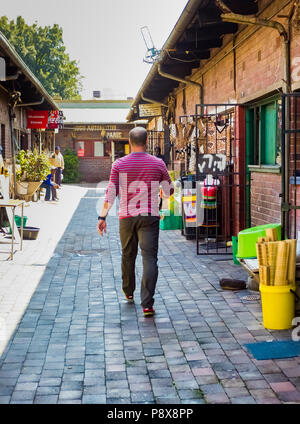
44, 52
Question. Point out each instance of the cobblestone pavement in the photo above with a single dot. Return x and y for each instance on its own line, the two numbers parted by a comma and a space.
80, 342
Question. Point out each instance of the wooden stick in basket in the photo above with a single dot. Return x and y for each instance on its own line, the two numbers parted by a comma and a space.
259, 254
271, 233
264, 249
281, 264
264, 275
272, 257
292, 261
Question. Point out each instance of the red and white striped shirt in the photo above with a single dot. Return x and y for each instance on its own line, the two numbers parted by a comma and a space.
136, 179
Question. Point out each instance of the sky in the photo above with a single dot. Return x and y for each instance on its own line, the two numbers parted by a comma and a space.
104, 36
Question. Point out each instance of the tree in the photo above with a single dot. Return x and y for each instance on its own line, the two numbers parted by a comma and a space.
44, 52
71, 171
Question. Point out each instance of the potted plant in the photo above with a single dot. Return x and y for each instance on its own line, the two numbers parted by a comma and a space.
31, 170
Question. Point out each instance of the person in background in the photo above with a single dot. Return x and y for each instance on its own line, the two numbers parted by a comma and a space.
59, 164
157, 153
50, 186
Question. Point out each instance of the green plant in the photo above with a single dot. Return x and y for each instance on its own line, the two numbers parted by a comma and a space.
32, 166
71, 171
174, 175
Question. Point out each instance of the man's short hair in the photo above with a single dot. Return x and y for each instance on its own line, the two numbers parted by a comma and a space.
138, 136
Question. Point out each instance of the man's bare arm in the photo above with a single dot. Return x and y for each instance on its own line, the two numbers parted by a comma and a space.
102, 226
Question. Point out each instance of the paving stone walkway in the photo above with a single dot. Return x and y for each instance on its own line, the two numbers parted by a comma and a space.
80, 342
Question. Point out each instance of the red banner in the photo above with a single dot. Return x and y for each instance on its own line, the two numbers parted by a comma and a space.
37, 119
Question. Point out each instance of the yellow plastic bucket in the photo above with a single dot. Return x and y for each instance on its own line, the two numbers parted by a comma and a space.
278, 306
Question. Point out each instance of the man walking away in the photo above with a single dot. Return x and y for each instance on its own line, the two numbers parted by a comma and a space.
136, 179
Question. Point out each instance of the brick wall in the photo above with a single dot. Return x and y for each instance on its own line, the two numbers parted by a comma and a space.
64, 139
94, 170
265, 200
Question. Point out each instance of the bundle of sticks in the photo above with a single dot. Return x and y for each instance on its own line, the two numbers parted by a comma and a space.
276, 259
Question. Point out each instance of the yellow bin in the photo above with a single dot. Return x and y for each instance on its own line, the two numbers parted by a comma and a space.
278, 306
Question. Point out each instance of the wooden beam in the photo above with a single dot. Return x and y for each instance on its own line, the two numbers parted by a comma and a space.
201, 45
187, 55
179, 69
208, 14
210, 32
244, 7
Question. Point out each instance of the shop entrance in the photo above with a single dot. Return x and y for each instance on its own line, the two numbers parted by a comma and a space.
221, 176
290, 165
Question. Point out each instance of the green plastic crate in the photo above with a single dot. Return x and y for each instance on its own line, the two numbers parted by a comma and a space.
169, 222
248, 238
18, 220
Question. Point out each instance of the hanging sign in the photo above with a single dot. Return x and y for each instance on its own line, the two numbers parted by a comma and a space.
56, 120
37, 119
80, 153
45, 119
149, 110
53, 120
211, 164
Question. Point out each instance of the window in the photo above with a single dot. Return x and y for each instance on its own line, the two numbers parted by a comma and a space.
98, 149
263, 134
90, 148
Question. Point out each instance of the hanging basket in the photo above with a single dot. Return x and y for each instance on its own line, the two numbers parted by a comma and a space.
22, 188
25, 188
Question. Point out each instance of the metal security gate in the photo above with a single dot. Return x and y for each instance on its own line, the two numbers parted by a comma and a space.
290, 165
155, 139
221, 183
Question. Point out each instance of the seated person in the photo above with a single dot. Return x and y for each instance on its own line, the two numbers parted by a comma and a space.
50, 186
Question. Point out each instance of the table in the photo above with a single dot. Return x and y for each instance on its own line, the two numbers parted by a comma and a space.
253, 274
14, 204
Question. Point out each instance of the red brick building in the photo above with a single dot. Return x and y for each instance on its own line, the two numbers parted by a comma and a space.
97, 130
243, 56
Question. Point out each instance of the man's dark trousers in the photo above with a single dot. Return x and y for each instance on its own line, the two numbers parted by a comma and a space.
48, 190
143, 231
58, 173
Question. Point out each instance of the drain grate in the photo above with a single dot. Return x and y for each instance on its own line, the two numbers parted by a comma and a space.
251, 298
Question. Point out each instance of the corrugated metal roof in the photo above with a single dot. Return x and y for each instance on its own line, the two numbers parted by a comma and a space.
95, 104
95, 116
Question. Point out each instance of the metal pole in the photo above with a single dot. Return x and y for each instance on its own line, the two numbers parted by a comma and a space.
283, 169
11, 113
13, 235
22, 226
